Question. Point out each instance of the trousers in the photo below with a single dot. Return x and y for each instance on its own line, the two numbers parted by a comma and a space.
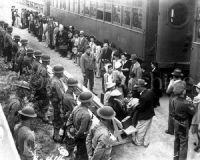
89, 76
170, 118
181, 141
81, 153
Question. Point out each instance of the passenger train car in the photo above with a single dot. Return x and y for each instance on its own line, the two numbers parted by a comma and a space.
160, 30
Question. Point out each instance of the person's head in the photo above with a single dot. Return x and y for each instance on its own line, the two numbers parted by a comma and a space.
45, 60
105, 45
179, 89
2, 24
86, 98
24, 42
81, 33
38, 55
177, 74
132, 75
141, 85
106, 114
124, 57
116, 55
92, 38
9, 29
154, 65
110, 69
88, 50
134, 58
72, 84
76, 35
58, 70
16, 38
61, 27
23, 89
198, 88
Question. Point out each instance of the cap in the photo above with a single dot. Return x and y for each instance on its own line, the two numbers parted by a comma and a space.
16, 37
29, 52
37, 53
24, 41
28, 111
45, 58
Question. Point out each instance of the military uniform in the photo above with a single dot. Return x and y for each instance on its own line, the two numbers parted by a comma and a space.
8, 45
56, 92
2, 35
41, 97
182, 111
15, 50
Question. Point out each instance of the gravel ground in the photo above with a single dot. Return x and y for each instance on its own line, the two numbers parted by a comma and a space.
161, 147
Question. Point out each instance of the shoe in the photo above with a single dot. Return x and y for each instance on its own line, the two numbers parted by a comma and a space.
146, 145
167, 132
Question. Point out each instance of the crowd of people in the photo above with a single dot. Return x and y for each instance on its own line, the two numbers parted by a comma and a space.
129, 92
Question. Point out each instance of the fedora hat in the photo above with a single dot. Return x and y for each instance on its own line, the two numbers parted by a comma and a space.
197, 85
58, 69
71, 82
110, 85
28, 111
140, 82
115, 92
85, 97
177, 72
106, 112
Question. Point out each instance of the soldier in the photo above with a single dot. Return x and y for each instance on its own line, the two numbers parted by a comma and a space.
177, 74
182, 110
16, 103
8, 46
21, 54
56, 92
36, 62
80, 121
2, 34
27, 63
99, 140
41, 97
15, 50
24, 136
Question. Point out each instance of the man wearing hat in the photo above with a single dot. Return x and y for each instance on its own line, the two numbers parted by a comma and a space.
21, 54
37, 58
88, 67
181, 112
15, 50
8, 46
24, 136
2, 35
110, 86
145, 113
41, 96
16, 103
177, 75
56, 92
81, 120
99, 140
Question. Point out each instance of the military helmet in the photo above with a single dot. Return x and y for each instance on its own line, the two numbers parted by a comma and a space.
16, 37
9, 29
72, 82
58, 69
45, 58
85, 97
30, 52
22, 84
37, 53
24, 41
106, 112
28, 111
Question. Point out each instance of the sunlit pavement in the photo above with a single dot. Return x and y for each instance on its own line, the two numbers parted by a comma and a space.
161, 146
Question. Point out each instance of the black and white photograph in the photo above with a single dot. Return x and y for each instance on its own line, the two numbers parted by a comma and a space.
99, 80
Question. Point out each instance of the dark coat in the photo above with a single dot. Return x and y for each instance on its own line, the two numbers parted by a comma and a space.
146, 105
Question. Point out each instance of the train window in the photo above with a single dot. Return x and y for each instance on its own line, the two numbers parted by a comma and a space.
100, 8
137, 18
93, 9
137, 3
87, 8
61, 4
126, 16
75, 6
81, 5
178, 14
71, 5
107, 12
116, 13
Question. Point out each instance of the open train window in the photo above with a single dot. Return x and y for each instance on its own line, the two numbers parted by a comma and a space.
178, 14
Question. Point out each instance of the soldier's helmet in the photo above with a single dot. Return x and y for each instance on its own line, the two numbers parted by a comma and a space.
30, 52
28, 111
45, 58
9, 29
85, 97
58, 69
71, 82
22, 84
37, 53
106, 112
24, 41
16, 37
